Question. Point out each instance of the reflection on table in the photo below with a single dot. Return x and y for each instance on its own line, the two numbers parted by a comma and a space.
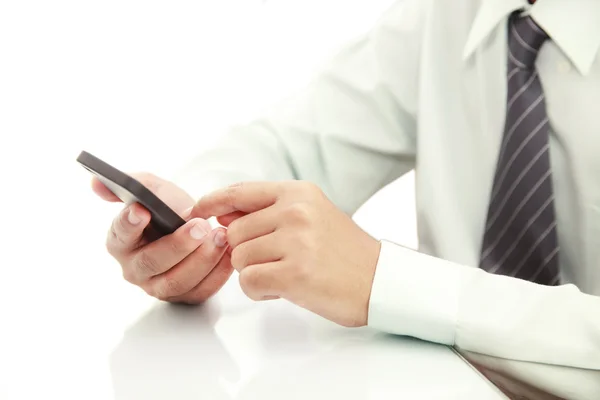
232, 348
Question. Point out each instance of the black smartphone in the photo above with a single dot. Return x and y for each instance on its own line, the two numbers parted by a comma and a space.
163, 220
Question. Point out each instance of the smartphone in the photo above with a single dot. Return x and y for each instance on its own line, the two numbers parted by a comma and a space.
164, 220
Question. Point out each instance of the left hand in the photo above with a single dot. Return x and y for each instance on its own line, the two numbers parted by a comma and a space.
290, 241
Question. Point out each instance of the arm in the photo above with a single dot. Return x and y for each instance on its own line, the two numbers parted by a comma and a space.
351, 131
546, 336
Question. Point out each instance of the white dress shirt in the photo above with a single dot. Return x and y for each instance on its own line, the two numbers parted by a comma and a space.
425, 89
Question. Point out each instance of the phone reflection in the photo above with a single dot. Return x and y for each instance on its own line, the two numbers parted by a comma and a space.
173, 352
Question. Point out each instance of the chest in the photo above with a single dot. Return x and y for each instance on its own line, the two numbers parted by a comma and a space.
472, 123
463, 110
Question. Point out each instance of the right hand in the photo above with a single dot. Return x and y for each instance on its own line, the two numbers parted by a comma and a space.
188, 266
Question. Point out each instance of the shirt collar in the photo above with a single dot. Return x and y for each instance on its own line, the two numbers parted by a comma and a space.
573, 25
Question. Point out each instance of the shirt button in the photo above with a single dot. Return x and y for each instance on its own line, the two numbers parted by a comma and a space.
564, 67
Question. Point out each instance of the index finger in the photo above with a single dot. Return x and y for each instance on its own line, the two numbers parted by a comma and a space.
246, 197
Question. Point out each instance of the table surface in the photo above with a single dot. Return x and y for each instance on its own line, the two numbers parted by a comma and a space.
230, 348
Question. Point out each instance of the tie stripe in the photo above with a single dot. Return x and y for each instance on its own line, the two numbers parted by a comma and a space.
512, 73
547, 259
520, 237
521, 40
533, 248
514, 241
515, 181
521, 90
516, 124
515, 60
520, 207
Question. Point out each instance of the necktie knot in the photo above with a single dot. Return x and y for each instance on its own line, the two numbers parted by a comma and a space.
525, 40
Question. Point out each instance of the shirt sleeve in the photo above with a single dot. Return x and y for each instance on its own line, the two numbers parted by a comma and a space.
351, 130
549, 336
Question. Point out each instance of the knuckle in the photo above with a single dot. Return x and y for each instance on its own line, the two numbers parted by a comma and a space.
148, 288
206, 256
146, 264
114, 240
239, 257
249, 283
160, 293
233, 232
173, 287
119, 225
110, 242
176, 246
203, 259
298, 213
232, 192
168, 288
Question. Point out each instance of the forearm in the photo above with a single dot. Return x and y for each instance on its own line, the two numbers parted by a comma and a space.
530, 326
247, 153
351, 130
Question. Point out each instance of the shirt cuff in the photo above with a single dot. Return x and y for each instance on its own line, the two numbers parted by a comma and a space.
414, 294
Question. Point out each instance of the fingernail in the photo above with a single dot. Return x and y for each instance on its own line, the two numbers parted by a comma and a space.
220, 239
185, 214
197, 231
133, 218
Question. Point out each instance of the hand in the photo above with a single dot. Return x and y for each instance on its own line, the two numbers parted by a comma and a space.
290, 241
188, 266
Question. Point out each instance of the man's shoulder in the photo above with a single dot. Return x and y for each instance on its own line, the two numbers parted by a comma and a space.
411, 13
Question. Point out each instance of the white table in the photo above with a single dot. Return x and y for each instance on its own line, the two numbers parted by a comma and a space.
231, 348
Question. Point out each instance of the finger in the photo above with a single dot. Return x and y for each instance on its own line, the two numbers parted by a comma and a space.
252, 226
189, 272
257, 251
246, 197
161, 255
227, 219
127, 230
151, 181
102, 191
210, 285
263, 281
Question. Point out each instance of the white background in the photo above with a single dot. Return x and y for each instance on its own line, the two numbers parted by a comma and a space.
142, 84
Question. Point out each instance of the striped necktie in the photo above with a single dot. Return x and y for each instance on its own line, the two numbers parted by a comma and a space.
520, 237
